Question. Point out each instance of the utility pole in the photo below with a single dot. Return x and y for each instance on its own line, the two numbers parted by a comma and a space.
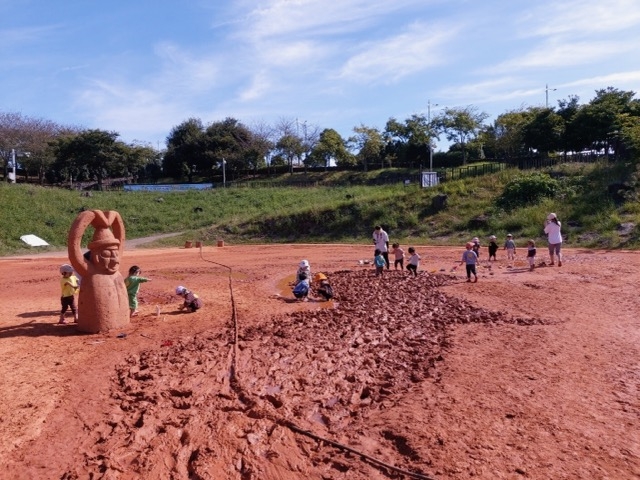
429, 126
224, 173
546, 95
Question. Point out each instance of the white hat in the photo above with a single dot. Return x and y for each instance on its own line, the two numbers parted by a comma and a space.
509, 235
180, 290
66, 268
475, 239
304, 264
492, 237
552, 216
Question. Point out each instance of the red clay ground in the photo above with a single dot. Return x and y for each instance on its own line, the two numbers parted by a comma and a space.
532, 375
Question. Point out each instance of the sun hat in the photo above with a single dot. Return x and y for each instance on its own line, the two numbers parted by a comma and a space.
319, 277
304, 264
509, 235
66, 268
180, 290
552, 216
492, 237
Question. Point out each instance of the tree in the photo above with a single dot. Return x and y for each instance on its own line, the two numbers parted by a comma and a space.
409, 142
29, 138
289, 147
460, 125
184, 148
330, 146
232, 141
369, 143
544, 131
262, 143
597, 121
92, 154
506, 135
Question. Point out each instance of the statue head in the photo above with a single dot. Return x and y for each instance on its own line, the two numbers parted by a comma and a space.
104, 247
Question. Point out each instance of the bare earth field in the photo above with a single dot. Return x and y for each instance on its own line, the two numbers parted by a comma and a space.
523, 375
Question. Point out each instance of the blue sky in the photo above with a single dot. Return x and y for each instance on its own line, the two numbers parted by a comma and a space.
141, 67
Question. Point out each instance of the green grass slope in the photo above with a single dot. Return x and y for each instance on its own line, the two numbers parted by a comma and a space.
592, 216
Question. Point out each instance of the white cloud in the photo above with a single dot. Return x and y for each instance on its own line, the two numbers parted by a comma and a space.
582, 17
260, 85
388, 60
279, 18
558, 54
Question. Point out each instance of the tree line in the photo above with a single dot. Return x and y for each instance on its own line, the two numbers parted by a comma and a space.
609, 123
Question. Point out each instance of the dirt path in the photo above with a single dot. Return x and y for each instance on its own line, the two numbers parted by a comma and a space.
522, 375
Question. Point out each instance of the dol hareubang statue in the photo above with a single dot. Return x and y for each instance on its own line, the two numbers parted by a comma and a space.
102, 303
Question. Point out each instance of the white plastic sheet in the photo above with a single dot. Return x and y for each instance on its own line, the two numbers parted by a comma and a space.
33, 241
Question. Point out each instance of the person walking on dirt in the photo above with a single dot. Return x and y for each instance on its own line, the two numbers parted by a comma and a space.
69, 286
398, 254
476, 246
531, 254
493, 248
381, 242
378, 261
469, 258
132, 282
414, 261
552, 228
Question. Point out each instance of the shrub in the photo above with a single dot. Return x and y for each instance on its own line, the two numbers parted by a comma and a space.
526, 190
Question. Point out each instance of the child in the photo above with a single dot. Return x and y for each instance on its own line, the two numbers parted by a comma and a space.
476, 246
132, 282
493, 247
399, 256
470, 258
303, 267
301, 288
510, 247
414, 261
324, 289
379, 262
191, 301
69, 287
531, 254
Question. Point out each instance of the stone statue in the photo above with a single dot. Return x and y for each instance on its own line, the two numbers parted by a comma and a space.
102, 303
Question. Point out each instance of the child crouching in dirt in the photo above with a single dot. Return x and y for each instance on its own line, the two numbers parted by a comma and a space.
301, 288
191, 301
324, 288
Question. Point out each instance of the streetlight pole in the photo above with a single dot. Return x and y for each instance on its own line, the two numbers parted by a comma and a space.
546, 95
13, 163
224, 174
429, 126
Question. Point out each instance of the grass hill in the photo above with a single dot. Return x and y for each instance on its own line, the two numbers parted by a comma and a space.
597, 203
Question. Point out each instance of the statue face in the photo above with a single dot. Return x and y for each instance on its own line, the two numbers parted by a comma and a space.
107, 259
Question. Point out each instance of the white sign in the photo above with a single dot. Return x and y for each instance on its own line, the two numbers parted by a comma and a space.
429, 179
